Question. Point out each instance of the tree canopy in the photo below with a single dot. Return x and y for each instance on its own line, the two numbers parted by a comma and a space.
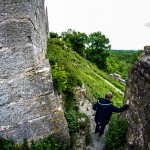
94, 47
76, 39
98, 49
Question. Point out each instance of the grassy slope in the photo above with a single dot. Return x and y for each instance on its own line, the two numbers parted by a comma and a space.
78, 67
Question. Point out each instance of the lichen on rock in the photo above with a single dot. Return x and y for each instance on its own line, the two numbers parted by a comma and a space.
138, 92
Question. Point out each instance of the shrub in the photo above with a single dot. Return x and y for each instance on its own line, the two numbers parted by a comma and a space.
85, 121
115, 136
49, 143
59, 78
72, 120
6, 144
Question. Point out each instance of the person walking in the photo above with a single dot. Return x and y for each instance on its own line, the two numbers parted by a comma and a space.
104, 109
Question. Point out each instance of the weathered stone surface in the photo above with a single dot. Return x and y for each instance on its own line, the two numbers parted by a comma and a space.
28, 106
138, 92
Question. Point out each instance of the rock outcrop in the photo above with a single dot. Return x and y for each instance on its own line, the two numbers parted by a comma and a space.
28, 107
138, 92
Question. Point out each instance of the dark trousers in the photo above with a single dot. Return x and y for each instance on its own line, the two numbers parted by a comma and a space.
99, 128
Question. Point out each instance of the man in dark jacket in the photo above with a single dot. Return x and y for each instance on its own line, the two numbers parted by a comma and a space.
104, 109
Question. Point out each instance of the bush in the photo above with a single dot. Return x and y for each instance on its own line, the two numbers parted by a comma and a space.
72, 120
49, 143
6, 144
115, 136
85, 122
59, 78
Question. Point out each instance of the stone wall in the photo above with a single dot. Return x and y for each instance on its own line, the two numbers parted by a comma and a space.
138, 92
117, 77
28, 107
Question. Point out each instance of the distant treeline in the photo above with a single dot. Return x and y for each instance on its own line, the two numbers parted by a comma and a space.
127, 51
121, 61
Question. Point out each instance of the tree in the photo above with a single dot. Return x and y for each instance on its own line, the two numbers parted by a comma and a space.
136, 55
98, 49
76, 39
54, 35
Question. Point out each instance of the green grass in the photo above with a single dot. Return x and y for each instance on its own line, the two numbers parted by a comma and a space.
106, 76
79, 73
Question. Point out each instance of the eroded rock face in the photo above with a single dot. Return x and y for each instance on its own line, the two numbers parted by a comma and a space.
28, 107
138, 92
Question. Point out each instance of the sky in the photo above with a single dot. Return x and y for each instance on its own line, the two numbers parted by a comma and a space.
125, 22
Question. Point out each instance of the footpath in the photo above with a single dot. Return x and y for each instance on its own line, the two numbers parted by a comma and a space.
97, 142
86, 107
107, 82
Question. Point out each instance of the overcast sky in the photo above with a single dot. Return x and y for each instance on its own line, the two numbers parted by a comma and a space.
125, 22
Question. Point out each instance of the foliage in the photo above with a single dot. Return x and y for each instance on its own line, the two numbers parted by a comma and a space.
120, 61
78, 121
54, 35
6, 144
79, 71
49, 143
106, 77
94, 47
59, 78
85, 120
72, 121
135, 56
76, 39
97, 50
115, 136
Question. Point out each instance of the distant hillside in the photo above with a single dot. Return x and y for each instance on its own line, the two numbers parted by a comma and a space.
120, 61
131, 50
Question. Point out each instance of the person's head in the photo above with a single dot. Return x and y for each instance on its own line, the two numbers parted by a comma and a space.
108, 95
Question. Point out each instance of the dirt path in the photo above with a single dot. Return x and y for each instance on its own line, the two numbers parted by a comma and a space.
97, 142
107, 82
